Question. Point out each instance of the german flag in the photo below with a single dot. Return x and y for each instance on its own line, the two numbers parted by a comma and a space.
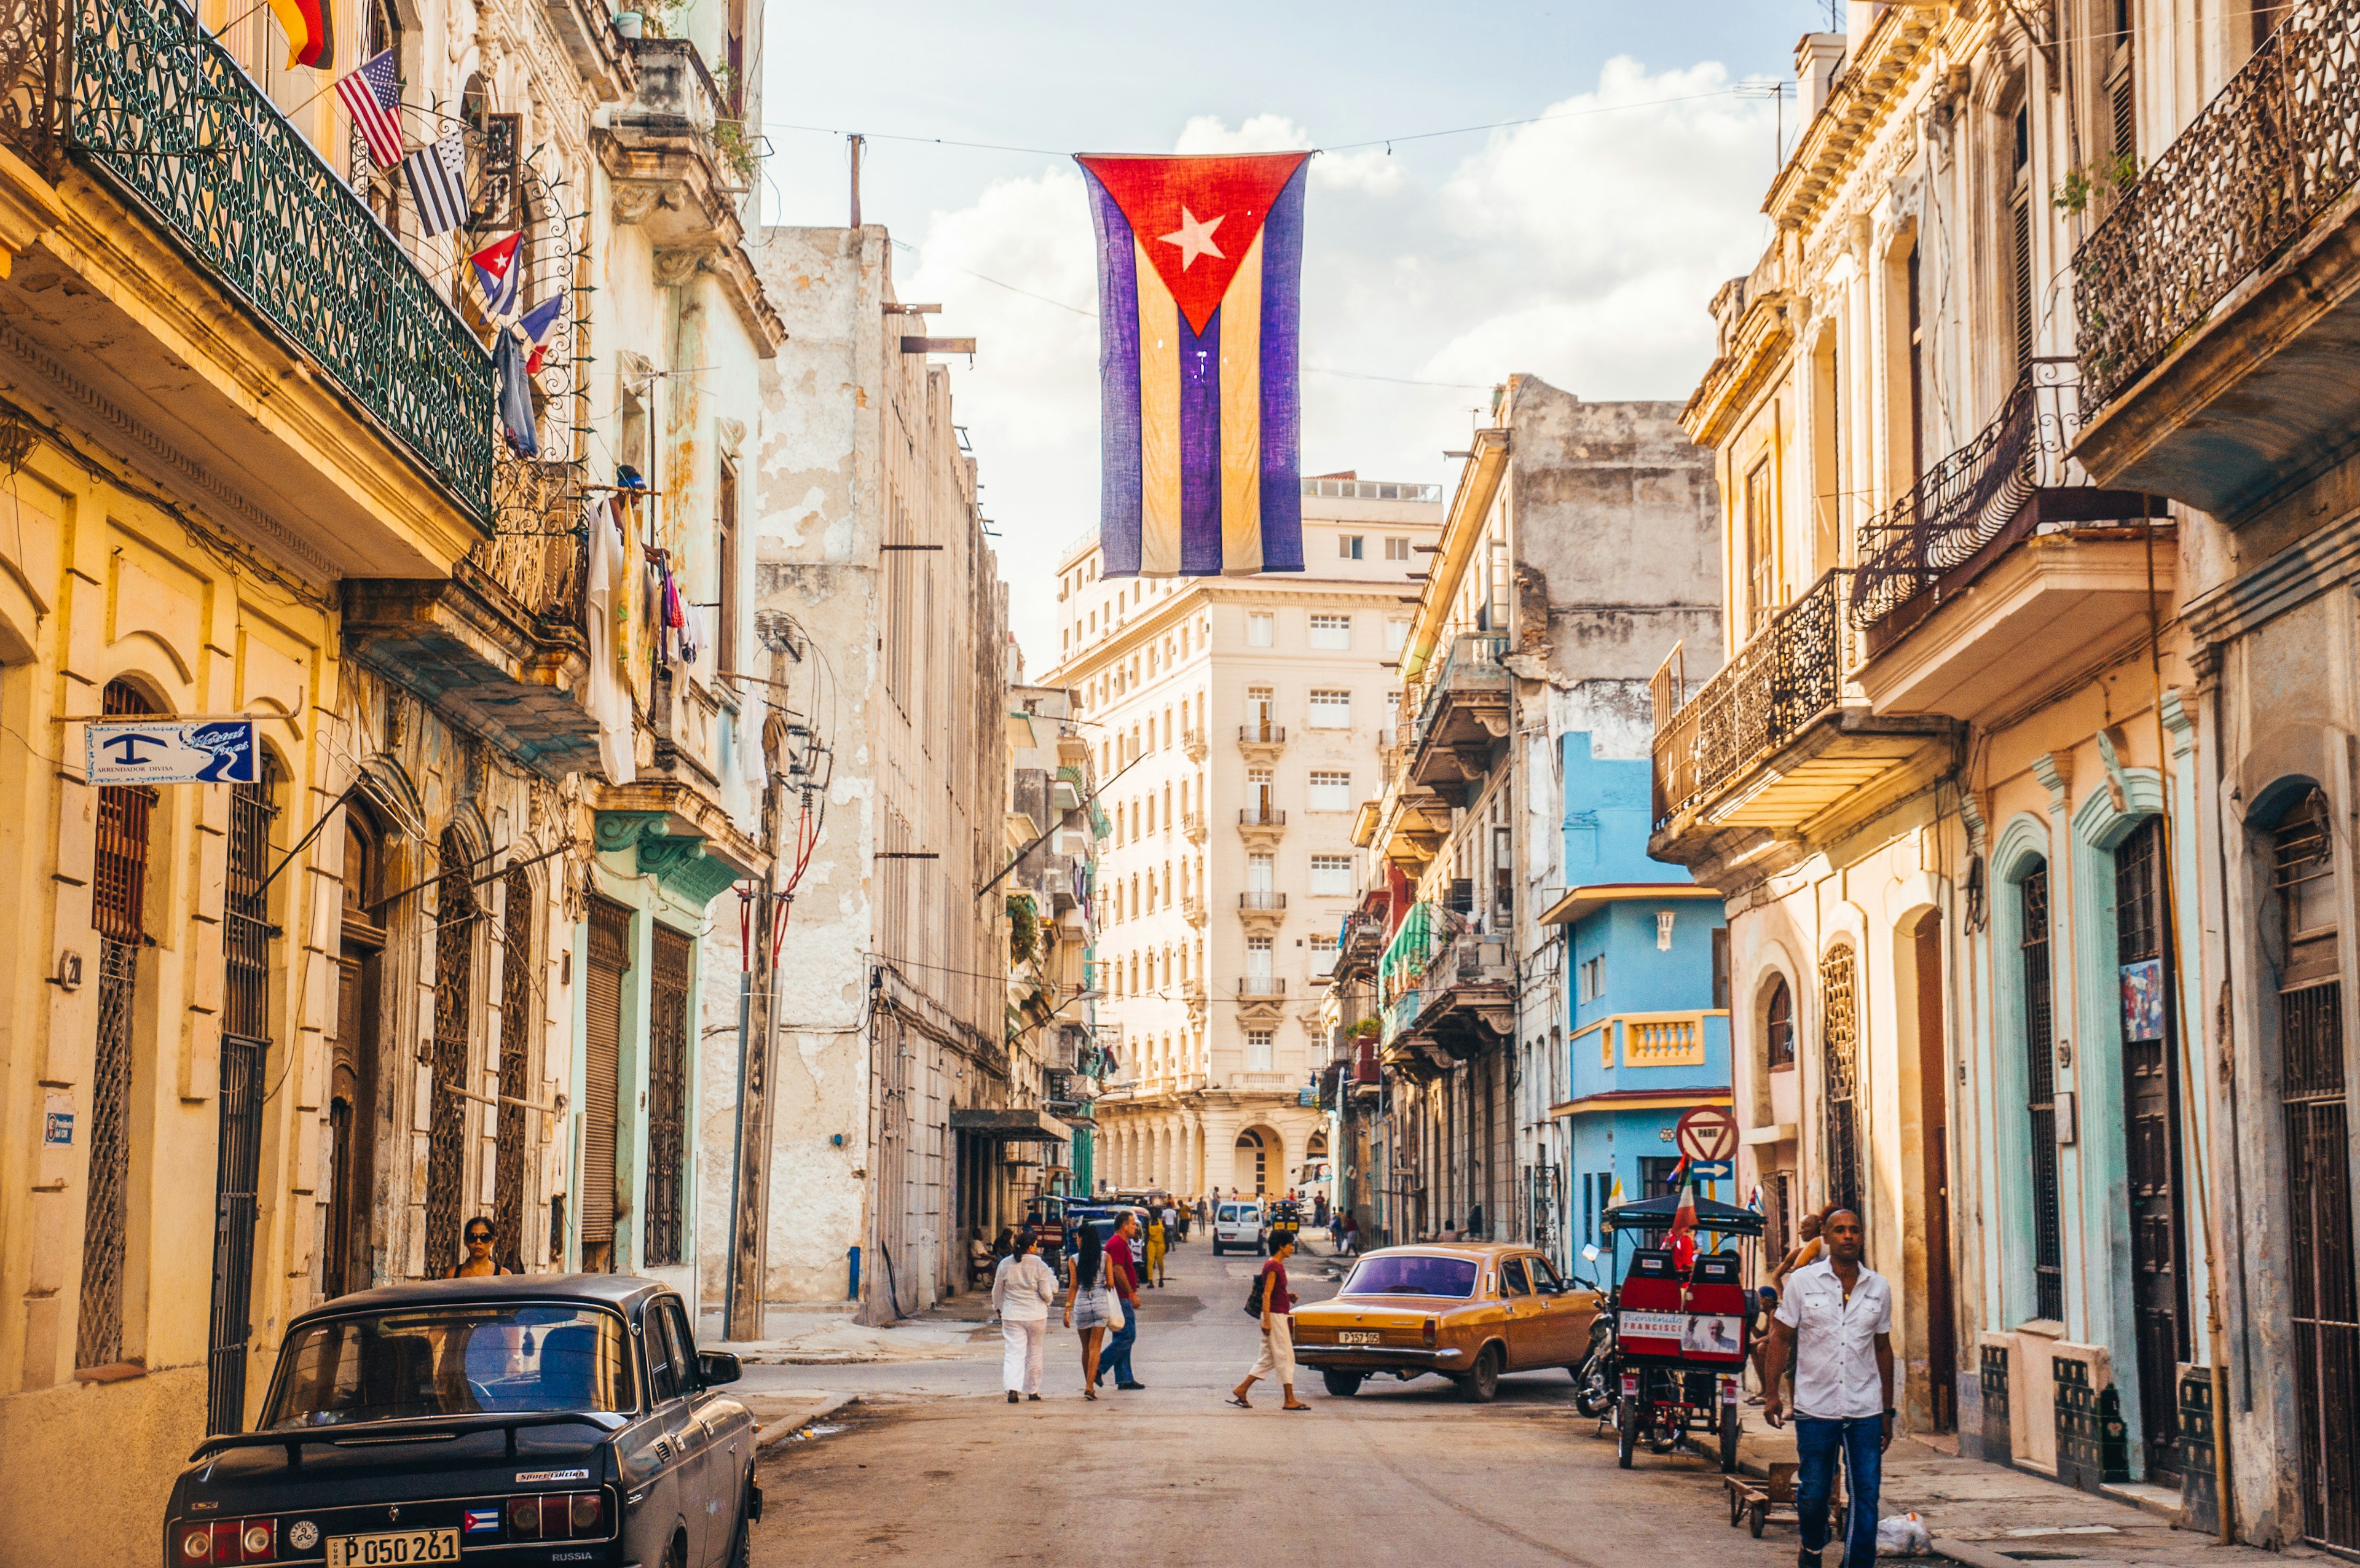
310, 30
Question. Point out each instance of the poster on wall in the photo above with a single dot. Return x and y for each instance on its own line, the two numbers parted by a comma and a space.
2143, 999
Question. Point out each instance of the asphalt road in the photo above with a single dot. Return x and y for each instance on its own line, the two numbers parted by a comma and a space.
932, 1465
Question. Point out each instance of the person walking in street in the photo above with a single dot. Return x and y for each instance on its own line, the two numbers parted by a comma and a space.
1277, 1358
1805, 1251
1476, 1229
1174, 1233
1347, 1234
1090, 1308
1834, 1323
1156, 1248
1022, 1290
1122, 1268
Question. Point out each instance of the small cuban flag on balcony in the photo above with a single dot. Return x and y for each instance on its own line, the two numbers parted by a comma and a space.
1199, 309
498, 277
538, 325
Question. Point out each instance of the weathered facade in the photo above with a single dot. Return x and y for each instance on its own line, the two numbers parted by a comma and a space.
301, 1029
1578, 550
871, 551
2020, 791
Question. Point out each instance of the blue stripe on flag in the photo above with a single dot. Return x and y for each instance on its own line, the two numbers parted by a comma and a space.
1120, 500
1282, 396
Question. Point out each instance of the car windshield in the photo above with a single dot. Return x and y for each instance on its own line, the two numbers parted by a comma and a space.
453, 1360
1413, 1276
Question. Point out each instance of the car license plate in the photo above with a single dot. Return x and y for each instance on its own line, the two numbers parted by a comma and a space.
393, 1549
1355, 1337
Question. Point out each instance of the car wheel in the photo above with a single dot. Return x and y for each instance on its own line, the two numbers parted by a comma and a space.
1482, 1386
1342, 1383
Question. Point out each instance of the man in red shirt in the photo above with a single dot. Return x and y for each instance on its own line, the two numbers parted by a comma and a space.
1123, 1272
1277, 1358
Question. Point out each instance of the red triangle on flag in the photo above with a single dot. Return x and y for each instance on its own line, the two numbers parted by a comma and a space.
1195, 217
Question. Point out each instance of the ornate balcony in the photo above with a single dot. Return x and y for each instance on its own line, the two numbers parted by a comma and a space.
1262, 826
1771, 741
1193, 747
137, 94
2219, 299
679, 164
1466, 712
1192, 909
1261, 909
1261, 741
1259, 987
497, 647
1192, 827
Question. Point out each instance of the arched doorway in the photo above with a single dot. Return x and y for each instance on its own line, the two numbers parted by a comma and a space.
348, 1264
1252, 1170
446, 1120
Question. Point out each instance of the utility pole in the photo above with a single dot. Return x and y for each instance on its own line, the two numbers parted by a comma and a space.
856, 138
750, 1197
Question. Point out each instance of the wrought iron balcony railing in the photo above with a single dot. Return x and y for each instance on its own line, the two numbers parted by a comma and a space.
1260, 817
1778, 684
1258, 986
538, 552
2275, 148
1956, 508
1263, 733
140, 93
1262, 900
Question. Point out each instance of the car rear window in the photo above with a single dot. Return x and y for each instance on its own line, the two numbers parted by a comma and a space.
453, 1360
1229, 1212
1413, 1276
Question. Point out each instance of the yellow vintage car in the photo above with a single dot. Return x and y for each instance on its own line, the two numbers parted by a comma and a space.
1466, 1311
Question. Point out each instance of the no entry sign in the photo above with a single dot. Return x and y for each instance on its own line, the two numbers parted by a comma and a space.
1707, 1133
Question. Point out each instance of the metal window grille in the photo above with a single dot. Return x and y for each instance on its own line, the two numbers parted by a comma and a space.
667, 1096
2040, 1097
610, 958
117, 915
2326, 1303
1840, 1057
454, 938
245, 1059
1778, 1026
518, 1012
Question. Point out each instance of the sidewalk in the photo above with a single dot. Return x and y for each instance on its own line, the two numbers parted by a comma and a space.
1995, 1516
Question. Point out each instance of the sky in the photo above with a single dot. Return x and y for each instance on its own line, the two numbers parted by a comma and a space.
1582, 247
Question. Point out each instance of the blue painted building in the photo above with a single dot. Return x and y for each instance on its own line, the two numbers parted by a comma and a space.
1645, 969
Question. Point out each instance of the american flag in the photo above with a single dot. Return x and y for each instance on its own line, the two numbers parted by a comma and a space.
373, 98
438, 179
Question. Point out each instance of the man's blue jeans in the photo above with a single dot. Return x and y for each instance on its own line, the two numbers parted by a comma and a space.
1117, 1356
1862, 1444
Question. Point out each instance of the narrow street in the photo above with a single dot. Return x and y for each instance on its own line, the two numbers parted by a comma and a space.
933, 1466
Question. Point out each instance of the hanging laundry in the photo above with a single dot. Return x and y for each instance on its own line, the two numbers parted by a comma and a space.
608, 700
517, 421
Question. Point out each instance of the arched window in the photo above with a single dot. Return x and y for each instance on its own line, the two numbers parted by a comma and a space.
345, 1263
1252, 1162
1778, 1026
1839, 1077
520, 1008
118, 914
454, 948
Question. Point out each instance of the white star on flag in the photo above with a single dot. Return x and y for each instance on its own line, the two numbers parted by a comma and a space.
1195, 239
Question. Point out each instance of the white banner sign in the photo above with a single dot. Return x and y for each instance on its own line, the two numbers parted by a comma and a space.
171, 751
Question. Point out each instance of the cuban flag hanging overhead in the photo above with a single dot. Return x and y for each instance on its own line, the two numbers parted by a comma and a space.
1200, 263
498, 279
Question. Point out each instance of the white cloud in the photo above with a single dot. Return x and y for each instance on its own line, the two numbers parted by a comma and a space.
1582, 248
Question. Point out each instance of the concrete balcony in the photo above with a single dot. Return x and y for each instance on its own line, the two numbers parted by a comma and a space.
676, 833
1260, 988
1466, 1002
1415, 830
2219, 301
1778, 740
1262, 826
496, 647
1192, 827
1262, 910
1193, 910
1466, 713
1261, 741
1193, 747
679, 164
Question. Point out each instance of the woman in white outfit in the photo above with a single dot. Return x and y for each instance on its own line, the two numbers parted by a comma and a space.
1021, 1292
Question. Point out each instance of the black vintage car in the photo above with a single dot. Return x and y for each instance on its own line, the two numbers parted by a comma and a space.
527, 1418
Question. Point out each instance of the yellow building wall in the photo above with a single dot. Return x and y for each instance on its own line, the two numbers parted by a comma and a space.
100, 579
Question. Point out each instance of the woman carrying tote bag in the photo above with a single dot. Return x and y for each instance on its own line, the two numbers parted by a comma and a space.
1092, 1307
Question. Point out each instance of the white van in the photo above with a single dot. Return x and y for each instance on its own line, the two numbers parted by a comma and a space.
1239, 1225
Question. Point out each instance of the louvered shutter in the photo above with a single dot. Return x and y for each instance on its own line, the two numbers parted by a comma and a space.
610, 925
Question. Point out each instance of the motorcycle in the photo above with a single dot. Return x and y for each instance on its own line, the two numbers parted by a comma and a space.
1598, 1378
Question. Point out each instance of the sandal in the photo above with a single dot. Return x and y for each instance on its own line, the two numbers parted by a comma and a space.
1295, 1407
1240, 1403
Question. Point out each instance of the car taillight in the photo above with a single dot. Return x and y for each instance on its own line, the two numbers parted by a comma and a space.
1427, 1333
556, 1515
524, 1517
229, 1541
587, 1510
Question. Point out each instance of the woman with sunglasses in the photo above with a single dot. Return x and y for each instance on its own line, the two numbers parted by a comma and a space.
477, 1233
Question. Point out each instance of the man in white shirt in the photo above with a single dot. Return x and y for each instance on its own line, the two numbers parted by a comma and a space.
1834, 1323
